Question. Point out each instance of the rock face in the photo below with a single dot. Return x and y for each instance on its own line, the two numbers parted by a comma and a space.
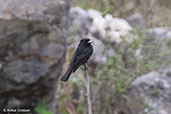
155, 89
93, 23
32, 51
160, 33
136, 20
160, 36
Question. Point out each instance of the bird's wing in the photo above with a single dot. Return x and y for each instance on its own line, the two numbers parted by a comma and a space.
80, 57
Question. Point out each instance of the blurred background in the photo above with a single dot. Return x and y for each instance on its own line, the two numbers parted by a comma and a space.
130, 69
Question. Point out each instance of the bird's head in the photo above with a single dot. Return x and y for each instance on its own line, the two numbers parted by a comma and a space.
86, 41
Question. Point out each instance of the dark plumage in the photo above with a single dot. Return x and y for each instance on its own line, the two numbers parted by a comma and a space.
80, 57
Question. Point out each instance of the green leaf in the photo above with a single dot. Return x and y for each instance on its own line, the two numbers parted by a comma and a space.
118, 86
41, 108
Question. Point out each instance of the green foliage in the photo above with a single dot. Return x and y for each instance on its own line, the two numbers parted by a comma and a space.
124, 8
41, 108
118, 86
169, 42
155, 92
82, 109
111, 82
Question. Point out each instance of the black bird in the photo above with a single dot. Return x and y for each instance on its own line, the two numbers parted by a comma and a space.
80, 57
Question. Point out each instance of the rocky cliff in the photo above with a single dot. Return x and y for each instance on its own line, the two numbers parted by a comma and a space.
32, 51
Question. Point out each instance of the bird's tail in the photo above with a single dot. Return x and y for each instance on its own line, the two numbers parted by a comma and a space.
66, 76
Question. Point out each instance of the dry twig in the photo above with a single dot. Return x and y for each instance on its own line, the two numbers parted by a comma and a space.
88, 90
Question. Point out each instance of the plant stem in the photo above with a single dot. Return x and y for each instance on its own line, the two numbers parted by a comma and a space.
88, 92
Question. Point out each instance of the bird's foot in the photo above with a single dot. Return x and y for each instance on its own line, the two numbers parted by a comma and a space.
85, 67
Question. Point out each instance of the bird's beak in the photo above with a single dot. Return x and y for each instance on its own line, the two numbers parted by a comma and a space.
90, 41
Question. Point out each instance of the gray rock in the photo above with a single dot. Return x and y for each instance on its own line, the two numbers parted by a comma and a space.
155, 90
160, 33
157, 42
92, 22
98, 54
110, 53
136, 20
101, 29
107, 27
32, 51
79, 21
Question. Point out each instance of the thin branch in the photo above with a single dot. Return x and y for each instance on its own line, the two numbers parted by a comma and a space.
88, 91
